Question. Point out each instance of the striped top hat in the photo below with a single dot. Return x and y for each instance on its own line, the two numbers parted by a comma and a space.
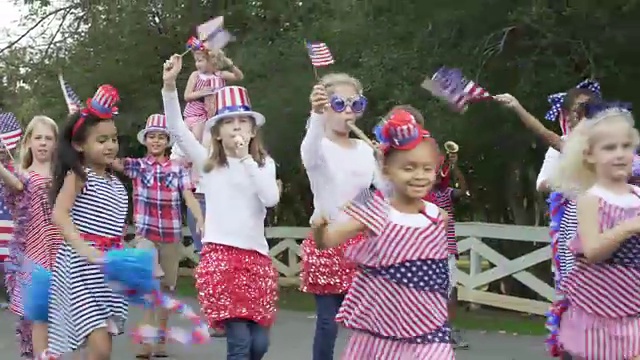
233, 101
102, 104
155, 122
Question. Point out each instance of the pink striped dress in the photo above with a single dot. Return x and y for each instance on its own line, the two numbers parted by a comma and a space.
195, 111
397, 305
603, 318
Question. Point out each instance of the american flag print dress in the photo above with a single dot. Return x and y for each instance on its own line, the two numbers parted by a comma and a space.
196, 111
397, 304
603, 318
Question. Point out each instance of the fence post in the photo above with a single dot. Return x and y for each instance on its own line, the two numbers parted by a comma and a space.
475, 268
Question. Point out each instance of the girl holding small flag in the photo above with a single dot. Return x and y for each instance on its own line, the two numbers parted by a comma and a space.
397, 304
35, 239
90, 208
235, 278
338, 168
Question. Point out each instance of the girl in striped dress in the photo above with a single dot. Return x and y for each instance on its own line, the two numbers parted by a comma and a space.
338, 168
213, 70
90, 208
602, 321
397, 305
26, 193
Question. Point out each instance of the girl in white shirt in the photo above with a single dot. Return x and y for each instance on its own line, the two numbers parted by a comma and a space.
236, 280
338, 168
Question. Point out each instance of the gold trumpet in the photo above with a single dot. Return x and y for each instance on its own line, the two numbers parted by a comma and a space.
451, 148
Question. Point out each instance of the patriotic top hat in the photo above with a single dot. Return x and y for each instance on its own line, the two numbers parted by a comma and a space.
102, 104
155, 122
233, 101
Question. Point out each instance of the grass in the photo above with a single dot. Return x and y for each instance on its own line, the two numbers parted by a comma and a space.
491, 320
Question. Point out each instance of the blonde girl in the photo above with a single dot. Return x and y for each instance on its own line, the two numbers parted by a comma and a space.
213, 70
338, 168
36, 239
602, 318
235, 278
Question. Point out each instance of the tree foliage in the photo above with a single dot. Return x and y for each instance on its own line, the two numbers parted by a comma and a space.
528, 48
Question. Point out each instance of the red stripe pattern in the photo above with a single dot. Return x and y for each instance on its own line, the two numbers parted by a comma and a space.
444, 199
195, 111
399, 300
603, 321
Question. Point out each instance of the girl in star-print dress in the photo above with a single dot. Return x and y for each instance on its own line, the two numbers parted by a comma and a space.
397, 305
602, 320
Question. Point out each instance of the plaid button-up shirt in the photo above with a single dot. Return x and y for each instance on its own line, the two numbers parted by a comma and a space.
157, 196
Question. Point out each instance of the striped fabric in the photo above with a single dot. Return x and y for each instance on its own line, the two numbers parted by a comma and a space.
80, 299
195, 110
568, 230
40, 238
608, 289
444, 199
399, 301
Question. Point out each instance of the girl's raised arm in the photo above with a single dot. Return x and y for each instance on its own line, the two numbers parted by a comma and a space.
310, 149
185, 139
10, 179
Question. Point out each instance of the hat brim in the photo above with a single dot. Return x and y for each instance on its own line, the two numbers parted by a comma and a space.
98, 113
143, 133
259, 118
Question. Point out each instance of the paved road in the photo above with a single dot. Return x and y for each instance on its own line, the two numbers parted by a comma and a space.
292, 337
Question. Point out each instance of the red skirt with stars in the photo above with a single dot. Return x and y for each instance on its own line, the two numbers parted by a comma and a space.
327, 271
235, 283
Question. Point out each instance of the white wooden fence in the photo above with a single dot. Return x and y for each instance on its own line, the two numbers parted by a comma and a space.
485, 265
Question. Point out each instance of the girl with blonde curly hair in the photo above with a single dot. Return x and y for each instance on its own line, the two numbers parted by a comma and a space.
600, 318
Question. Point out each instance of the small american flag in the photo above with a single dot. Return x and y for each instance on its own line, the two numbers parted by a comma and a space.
70, 97
10, 131
6, 230
453, 87
319, 54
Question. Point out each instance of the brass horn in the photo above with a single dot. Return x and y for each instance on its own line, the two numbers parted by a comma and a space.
451, 148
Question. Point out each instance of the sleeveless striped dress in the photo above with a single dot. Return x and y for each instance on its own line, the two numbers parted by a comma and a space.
397, 304
602, 321
196, 111
80, 300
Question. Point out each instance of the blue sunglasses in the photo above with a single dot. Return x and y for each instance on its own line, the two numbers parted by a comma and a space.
357, 103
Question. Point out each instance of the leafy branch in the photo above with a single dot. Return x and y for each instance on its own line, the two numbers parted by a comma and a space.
36, 25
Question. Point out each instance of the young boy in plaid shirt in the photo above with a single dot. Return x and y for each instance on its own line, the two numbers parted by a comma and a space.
159, 185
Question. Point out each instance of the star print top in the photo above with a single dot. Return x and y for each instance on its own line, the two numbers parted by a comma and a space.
608, 288
402, 291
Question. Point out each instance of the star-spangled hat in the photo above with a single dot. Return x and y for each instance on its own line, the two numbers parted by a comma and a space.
103, 102
233, 101
155, 122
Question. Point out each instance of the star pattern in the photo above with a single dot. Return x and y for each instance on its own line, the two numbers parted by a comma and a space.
425, 275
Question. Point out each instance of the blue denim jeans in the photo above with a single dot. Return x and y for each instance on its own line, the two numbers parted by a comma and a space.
191, 223
324, 340
246, 340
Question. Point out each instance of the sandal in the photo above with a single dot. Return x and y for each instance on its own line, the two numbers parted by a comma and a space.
161, 354
143, 356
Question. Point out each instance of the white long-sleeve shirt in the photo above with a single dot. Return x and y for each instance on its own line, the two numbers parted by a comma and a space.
336, 174
549, 165
236, 196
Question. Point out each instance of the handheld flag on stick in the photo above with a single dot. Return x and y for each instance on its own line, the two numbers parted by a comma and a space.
10, 131
451, 86
70, 97
211, 35
319, 54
